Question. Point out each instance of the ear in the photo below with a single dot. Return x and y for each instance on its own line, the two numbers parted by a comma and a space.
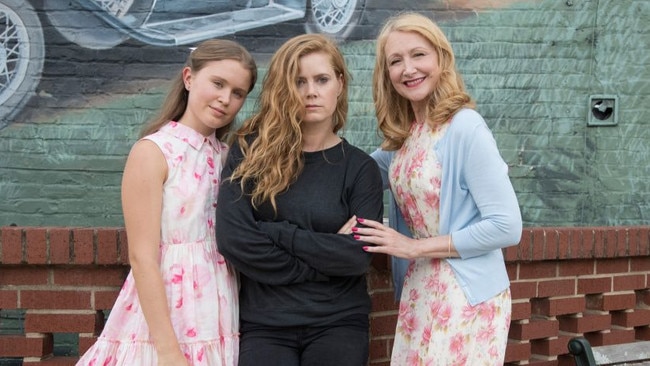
341, 83
187, 77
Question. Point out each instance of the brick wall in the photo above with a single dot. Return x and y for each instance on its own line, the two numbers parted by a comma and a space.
591, 281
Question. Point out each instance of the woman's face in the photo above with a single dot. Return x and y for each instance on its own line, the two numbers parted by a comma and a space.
319, 88
216, 93
412, 65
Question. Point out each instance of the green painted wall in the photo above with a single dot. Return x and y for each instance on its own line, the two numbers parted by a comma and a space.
531, 65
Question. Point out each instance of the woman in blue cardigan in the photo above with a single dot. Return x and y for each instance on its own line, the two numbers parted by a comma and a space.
453, 207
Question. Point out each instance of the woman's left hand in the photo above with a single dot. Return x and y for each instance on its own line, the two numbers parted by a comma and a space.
385, 240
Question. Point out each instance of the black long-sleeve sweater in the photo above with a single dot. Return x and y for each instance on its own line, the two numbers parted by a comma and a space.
295, 269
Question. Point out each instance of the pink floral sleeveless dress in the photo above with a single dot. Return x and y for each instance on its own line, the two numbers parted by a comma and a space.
436, 325
201, 288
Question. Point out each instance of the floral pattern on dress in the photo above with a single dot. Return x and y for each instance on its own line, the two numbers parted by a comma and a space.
436, 325
201, 289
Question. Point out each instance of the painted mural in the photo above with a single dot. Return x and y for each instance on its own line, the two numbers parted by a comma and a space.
78, 78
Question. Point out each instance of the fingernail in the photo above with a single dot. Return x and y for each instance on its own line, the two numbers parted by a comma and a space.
354, 229
357, 237
365, 249
360, 219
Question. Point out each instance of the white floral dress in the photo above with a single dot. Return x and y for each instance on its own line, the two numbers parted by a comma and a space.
201, 289
436, 324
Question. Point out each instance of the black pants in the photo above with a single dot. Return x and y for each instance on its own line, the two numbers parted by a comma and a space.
332, 345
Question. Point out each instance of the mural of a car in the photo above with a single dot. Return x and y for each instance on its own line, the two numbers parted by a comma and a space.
103, 24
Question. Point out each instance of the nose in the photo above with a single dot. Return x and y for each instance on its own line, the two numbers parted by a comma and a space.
311, 89
224, 97
409, 68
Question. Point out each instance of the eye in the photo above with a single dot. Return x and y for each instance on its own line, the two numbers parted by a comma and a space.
300, 82
394, 61
323, 80
239, 94
218, 84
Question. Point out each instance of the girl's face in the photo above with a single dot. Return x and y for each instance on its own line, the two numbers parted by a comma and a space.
319, 87
216, 94
412, 65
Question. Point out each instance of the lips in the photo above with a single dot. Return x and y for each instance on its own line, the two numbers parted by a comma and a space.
414, 82
219, 111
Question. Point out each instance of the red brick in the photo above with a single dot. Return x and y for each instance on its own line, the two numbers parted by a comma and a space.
631, 318
63, 323
123, 247
510, 254
35, 299
517, 351
12, 245
520, 310
383, 301
36, 245
85, 342
641, 264
608, 302
560, 287
552, 346
107, 250
379, 281
548, 361
629, 282
538, 245
564, 243
9, 299
578, 267
60, 239
53, 361
90, 276
551, 242
104, 300
525, 246
594, 285
83, 244
379, 350
523, 289
587, 244
633, 241
21, 346
614, 336
383, 325
644, 241
558, 305
611, 242
534, 329
599, 242
536, 270
24, 275
610, 266
585, 323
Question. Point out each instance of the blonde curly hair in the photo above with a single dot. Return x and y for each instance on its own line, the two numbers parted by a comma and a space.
393, 111
274, 159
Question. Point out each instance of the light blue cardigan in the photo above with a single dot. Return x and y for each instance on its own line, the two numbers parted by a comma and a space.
478, 206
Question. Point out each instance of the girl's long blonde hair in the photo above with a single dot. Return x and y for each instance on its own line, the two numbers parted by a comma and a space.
274, 159
176, 101
394, 112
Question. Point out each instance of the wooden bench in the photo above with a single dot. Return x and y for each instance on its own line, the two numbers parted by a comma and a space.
634, 354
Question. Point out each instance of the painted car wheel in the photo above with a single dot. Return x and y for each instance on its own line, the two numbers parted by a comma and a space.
22, 50
336, 18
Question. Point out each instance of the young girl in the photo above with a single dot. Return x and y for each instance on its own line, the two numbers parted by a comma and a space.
179, 305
